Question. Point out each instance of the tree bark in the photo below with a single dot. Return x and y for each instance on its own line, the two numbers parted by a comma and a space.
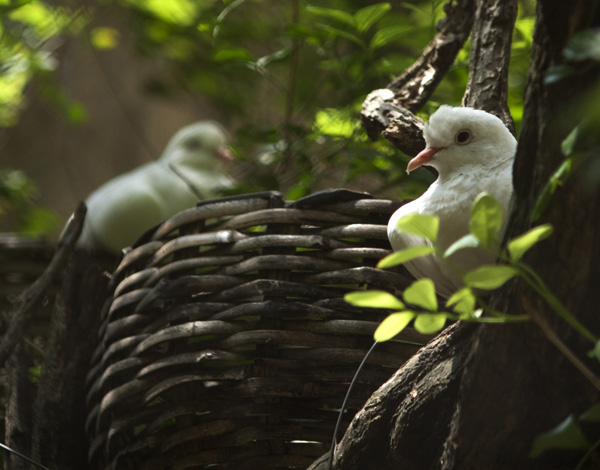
390, 111
491, 39
478, 396
58, 432
18, 409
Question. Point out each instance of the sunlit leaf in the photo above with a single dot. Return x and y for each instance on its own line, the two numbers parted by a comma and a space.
405, 255
374, 299
367, 16
490, 276
422, 294
423, 225
519, 246
467, 241
486, 219
237, 53
179, 12
104, 38
334, 122
392, 325
566, 436
428, 324
462, 301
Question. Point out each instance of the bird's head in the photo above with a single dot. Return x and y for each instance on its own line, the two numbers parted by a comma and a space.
202, 144
458, 138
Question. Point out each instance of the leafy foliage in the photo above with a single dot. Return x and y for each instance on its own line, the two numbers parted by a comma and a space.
291, 75
18, 194
419, 301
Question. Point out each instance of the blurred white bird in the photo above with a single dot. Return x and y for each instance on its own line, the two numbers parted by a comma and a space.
190, 169
472, 151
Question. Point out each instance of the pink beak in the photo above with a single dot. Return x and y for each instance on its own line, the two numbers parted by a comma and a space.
225, 155
424, 156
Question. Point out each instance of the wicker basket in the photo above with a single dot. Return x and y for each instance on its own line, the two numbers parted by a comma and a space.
227, 343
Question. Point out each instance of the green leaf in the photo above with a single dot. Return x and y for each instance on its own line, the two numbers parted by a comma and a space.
374, 299
334, 122
428, 324
238, 53
392, 325
595, 353
405, 255
490, 276
592, 415
104, 38
423, 225
422, 294
336, 32
467, 241
462, 301
519, 246
386, 35
367, 16
566, 436
332, 13
568, 145
486, 219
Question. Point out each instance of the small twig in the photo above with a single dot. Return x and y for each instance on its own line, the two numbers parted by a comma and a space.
334, 441
24, 457
33, 297
562, 347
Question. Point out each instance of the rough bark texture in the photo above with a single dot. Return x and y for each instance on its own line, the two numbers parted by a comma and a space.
416, 85
18, 409
52, 433
58, 439
33, 297
497, 388
390, 111
489, 58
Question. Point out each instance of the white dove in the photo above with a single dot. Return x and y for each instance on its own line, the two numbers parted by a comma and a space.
190, 169
472, 151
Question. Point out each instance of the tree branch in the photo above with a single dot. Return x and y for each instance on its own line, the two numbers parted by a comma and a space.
33, 297
390, 112
487, 88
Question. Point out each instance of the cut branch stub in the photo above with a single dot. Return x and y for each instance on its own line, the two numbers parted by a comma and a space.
381, 113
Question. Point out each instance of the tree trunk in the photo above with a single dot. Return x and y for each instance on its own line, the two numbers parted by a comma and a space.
477, 396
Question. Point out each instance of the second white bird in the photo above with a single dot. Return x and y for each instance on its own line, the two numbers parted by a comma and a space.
189, 170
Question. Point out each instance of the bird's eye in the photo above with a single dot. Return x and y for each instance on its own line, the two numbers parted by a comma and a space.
192, 144
463, 137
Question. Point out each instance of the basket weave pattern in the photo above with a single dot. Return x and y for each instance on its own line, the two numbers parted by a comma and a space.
227, 342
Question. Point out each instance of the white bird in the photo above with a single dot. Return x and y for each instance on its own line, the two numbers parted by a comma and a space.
472, 151
190, 169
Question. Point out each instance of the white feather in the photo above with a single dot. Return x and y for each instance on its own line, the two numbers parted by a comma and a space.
125, 207
465, 170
